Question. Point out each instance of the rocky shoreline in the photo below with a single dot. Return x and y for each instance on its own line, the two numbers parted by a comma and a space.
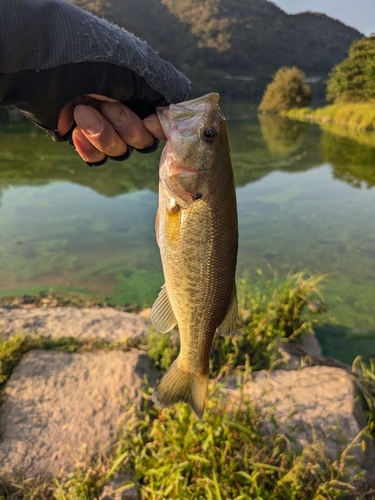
60, 408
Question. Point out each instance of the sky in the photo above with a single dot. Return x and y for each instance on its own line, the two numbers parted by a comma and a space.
359, 14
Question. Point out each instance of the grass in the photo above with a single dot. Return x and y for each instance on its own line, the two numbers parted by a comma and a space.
360, 116
364, 370
227, 455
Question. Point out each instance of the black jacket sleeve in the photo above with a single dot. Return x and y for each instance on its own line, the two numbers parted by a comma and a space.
52, 51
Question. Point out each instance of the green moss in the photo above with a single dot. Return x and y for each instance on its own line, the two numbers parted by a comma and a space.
13, 348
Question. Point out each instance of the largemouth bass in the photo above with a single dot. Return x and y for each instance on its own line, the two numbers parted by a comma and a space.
197, 232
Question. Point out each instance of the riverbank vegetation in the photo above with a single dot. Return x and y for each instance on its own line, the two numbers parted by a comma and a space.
353, 80
173, 455
359, 115
350, 89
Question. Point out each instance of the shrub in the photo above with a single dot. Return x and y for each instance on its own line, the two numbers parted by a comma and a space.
287, 90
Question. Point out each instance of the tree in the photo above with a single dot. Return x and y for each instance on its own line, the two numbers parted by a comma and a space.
353, 80
287, 90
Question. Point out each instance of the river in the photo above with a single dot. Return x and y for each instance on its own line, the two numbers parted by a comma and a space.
306, 201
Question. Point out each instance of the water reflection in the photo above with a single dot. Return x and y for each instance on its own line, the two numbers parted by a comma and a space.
32, 159
350, 153
65, 225
352, 161
283, 136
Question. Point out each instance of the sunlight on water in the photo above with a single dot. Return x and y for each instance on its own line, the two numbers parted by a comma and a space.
306, 200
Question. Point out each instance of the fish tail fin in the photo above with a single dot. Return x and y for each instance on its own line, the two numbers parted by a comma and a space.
179, 385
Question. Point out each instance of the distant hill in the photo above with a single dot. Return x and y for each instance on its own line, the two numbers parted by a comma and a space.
234, 46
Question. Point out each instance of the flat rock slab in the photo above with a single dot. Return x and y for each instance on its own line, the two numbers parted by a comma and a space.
316, 405
105, 324
60, 408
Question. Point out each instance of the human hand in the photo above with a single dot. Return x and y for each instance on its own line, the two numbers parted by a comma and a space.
106, 127
69, 53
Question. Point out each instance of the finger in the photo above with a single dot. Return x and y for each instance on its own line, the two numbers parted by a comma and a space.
66, 117
152, 124
99, 131
101, 98
85, 149
127, 125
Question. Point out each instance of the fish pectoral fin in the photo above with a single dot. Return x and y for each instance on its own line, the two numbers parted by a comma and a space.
229, 323
162, 315
178, 385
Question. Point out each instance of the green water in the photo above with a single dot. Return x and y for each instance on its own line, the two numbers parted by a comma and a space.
306, 200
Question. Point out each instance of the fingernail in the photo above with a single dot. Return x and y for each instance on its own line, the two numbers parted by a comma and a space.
114, 112
87, 119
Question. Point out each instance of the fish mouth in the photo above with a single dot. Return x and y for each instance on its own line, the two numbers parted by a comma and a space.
187, 109
194, 106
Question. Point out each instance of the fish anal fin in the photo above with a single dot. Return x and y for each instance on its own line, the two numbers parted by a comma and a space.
162, 315
182, 386
229, 323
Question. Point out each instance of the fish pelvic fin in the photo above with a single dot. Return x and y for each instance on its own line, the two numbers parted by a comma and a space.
229, 323
162, 315
179, 385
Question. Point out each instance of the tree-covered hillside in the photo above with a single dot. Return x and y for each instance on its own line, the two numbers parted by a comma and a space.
223, 44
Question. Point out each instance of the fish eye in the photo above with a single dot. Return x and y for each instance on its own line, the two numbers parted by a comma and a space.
209, 135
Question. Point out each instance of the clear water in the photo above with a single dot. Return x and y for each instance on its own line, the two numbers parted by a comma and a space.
306, 200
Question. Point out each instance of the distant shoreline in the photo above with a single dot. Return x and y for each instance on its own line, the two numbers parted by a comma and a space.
360, 116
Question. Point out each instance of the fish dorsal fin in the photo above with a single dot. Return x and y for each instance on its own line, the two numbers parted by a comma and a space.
229, 323
162, 315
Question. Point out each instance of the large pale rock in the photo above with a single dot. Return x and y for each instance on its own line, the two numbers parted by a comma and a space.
318, 404
105, 323
62, 408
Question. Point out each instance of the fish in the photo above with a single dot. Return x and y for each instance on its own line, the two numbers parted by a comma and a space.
197, 233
